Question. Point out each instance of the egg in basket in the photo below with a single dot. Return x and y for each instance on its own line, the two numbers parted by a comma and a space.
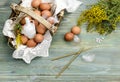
32, 23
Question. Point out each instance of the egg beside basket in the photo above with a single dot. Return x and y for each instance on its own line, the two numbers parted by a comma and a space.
30, 30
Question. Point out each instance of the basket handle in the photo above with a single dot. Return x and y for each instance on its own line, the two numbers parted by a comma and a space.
31, 13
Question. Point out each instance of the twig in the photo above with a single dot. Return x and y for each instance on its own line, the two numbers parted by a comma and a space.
71, 60
60, 57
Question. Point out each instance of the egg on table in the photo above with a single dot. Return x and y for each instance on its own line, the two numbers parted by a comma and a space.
69, 36
76, 30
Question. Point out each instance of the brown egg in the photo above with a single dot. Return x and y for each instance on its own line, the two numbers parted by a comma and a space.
51, 20
38, 38
36, 23
35, 3
23, 20
46, 14
31, 43
75, 30
37, 12
69, 36
41, 29
24, 39
45, 6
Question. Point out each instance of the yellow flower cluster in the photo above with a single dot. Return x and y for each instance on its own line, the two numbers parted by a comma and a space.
18, 40
117, 19
101, 17
95, 14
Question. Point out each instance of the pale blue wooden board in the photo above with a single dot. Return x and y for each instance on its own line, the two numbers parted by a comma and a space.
105, 68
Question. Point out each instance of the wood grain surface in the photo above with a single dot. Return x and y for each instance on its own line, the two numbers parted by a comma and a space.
105, 67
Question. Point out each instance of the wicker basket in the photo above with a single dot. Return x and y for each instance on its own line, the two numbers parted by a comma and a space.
18, 10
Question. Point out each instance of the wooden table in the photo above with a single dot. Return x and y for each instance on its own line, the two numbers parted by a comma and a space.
105, 67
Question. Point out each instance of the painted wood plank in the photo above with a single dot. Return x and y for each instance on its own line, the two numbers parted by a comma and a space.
105, 68
65, 79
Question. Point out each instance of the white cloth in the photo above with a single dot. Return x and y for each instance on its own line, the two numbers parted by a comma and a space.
42, 49
8, 30
69, 5
26, 3
27, 54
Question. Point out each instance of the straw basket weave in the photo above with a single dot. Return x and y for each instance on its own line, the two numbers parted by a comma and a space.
19, 12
